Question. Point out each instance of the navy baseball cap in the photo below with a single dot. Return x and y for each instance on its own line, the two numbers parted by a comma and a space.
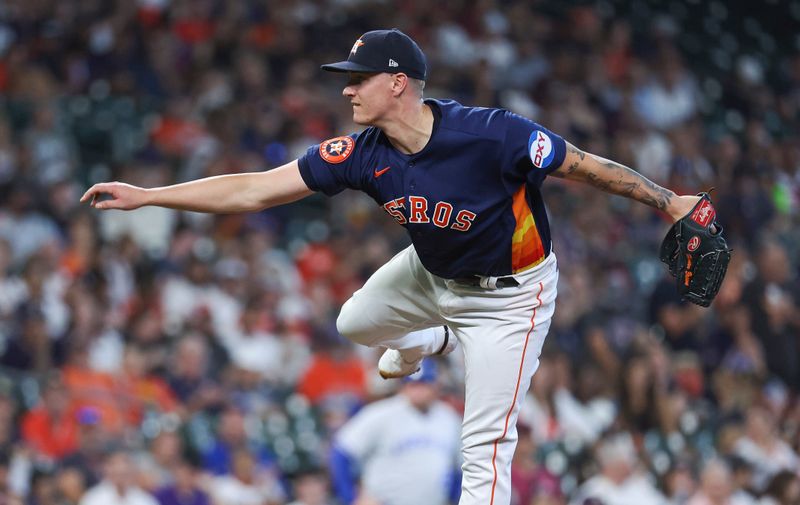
389, 51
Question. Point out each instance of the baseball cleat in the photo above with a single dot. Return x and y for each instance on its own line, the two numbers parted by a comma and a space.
393, 365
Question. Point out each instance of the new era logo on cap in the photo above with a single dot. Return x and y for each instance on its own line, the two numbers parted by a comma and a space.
383, 51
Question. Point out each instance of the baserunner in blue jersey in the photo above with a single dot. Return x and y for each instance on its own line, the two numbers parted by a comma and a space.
466, 184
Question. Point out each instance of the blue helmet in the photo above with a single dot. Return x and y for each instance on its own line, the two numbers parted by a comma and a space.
428, 373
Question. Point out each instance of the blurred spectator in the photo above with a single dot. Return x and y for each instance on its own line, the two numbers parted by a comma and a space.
670, 96
651, 153
12, 287
232, 437
143, 391
90, 324
335, 380
247, 483
8, 154
763, 449
93, 442
71, 485
531, 482
772, 298
117, 486
7, 495
679, 483
742, 481
93, 390
43, 489
184, 489
677, 319
188, 375
30, 348
531, 65
715, 486
643, 391
562, 409
188, 296
152, 228
620, 481
23, 225
748, 202
50, 149
538, 408
80, 254
51, 429
254, 349
412, 430
783, 489
8, 411
584, 411
690, 168
311, 488
156, 466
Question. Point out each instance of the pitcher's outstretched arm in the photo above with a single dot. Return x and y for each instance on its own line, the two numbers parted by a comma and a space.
221, 194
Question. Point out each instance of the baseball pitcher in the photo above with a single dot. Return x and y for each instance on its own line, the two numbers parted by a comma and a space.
481, 273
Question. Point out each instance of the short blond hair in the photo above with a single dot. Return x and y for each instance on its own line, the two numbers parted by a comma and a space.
419, 85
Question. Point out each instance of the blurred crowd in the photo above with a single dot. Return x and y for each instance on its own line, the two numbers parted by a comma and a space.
194, 359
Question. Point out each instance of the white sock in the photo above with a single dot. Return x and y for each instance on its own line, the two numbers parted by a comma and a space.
422, 343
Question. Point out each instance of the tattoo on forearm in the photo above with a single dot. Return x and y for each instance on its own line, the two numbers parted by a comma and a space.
577, 151
614, 178
573, 167
621, 180
575, 164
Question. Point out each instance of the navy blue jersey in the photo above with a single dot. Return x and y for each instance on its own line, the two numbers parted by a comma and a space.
470, 199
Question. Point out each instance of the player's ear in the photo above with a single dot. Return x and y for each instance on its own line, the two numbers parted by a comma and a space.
400, 82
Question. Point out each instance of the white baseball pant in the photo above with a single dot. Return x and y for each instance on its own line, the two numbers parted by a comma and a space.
501, 331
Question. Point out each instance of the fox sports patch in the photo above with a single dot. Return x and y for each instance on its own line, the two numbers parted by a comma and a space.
540, 148
337, 149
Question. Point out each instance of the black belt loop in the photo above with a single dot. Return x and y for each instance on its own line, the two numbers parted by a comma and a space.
507, 282
502, 282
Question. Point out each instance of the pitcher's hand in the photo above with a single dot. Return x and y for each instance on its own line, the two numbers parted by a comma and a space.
122, 196
682, 205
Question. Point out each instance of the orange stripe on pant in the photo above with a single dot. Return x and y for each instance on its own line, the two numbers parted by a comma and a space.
516, 390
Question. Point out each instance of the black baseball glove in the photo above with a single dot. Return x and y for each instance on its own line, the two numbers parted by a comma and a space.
696, 253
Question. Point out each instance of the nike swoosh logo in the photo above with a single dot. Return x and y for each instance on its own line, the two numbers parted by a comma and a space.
380, 172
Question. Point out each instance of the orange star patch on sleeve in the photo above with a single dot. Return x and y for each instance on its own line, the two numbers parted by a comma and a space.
337, 149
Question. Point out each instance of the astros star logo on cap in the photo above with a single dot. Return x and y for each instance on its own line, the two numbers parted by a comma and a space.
358, 44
